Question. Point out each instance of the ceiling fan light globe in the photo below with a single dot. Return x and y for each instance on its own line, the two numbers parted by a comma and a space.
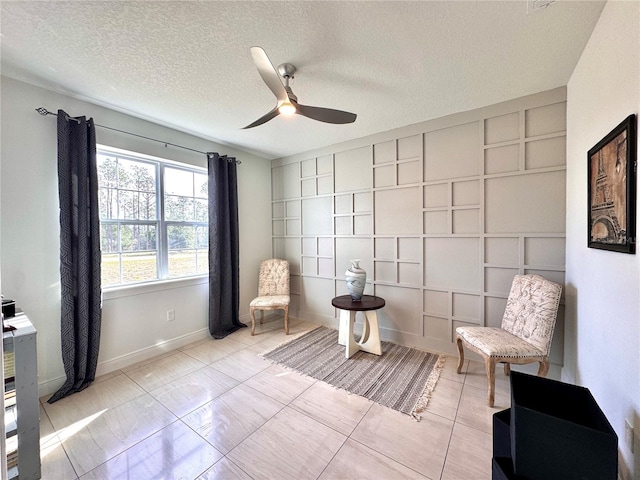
287, 109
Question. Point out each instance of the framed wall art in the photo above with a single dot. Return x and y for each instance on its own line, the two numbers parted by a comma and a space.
612, 190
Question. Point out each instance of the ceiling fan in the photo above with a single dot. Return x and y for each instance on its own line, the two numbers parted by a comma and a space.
287, 101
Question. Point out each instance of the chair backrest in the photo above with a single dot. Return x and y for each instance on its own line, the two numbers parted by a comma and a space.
274, 277
532, 308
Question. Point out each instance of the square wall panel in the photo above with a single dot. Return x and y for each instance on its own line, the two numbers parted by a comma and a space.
293, 227
343, 203
499, 280
288, 249
385, 248
325, 185
398, 211
384, 176
278, 228
466, 193
317, 217
353, 170
308, 168
384, 152
502, 129
550, 152
317, 294
544, 251
362, 225
325, 165
402, 310
435, 327
409, 273
494, 311
502, 251
525, 203
547, 119
285, 181
409, 249
310, 266
385, 272
410, 147
325, 247
293, 208
436, 222
343, 225
277, 209
466, 221
436, 196
409, 172
308, 187
353, 248
362, 202
309, 246
325, 267
452, 152
452, 263
466, 306
436, 302
502, 159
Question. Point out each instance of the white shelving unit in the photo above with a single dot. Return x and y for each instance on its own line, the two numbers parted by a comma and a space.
22, 413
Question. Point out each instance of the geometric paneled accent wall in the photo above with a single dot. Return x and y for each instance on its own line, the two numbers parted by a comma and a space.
442, 215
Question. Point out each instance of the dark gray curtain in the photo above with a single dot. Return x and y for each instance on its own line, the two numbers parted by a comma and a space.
224, 264
79, 252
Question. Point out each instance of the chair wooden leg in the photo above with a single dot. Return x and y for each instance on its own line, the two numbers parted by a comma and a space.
253, 320
543, 369
507, 368
490, 366
261, 316
460, 355
286, 320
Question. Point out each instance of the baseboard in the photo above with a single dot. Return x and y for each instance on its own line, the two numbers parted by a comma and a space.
50, 386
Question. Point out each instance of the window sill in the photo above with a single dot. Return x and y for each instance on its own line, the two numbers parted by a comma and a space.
111, 293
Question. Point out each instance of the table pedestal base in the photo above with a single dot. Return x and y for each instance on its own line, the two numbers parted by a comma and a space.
370, 340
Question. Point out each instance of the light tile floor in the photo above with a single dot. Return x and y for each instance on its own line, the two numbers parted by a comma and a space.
216, 410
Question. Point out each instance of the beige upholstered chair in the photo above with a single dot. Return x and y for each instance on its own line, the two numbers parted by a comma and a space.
273, 291
526, 333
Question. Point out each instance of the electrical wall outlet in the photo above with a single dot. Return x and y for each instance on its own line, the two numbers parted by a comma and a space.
171, 315
628, 434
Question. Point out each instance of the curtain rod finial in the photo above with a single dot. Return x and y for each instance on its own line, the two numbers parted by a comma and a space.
42, 111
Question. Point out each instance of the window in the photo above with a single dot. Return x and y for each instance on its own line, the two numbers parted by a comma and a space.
153, 219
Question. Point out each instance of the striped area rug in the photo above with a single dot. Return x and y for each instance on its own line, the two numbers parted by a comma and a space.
402, 378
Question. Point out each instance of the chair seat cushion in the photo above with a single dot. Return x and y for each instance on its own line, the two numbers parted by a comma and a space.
496, 342
270, 301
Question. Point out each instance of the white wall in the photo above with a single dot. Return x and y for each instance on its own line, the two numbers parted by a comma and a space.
442, 215
602, 337
134, 323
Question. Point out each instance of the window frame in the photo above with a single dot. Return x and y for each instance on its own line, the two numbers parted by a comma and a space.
163, 279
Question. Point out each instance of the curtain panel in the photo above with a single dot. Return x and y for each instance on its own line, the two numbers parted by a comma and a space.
224, 265
80, 257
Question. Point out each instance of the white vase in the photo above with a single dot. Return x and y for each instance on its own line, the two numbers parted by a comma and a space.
356, 278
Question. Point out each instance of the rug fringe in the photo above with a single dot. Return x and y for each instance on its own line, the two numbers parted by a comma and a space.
424, 398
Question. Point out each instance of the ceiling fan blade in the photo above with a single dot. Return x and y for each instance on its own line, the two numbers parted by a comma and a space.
264, 119
268, 73
327, 115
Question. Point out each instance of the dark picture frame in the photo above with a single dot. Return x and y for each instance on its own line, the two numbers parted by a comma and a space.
611, 209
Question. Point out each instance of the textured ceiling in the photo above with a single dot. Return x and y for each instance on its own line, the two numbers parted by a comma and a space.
187, 64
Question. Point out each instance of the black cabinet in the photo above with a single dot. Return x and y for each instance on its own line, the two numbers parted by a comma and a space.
553, 430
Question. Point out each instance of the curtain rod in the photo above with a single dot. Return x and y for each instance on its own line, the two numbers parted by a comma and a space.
44, 112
